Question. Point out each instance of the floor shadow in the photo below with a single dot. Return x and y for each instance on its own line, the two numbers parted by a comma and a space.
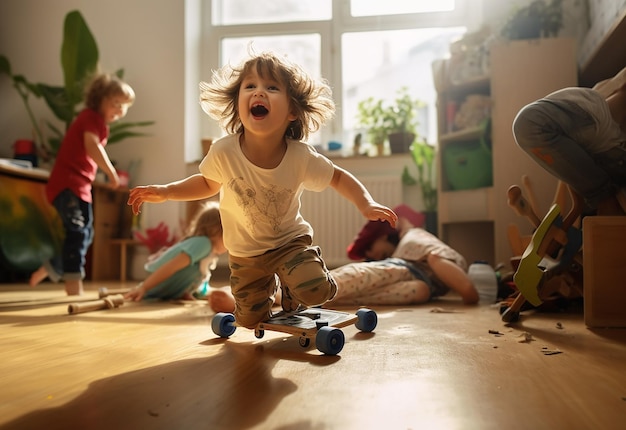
187, 394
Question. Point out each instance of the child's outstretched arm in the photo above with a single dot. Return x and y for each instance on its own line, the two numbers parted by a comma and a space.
349, 187
168, 269
195, 187
453, 277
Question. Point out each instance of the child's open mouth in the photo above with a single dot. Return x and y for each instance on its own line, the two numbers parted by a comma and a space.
259, 111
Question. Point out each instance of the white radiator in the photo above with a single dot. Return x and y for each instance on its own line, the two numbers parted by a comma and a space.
336, 221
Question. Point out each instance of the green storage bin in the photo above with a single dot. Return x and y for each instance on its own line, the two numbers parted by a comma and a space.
468, 164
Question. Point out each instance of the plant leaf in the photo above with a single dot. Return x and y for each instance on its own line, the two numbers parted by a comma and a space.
56, 97
119, 126
79, 56
5, 66
117, 137
122, 130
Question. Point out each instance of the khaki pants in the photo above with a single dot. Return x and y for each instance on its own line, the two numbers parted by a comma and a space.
296, 267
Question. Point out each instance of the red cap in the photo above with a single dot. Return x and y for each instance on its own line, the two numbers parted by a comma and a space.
368, 234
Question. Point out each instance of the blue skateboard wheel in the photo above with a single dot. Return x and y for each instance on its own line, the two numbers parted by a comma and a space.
329, 340
223, 324
367, 320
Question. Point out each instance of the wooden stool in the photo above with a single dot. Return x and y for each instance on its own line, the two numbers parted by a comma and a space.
604, 271
124, 244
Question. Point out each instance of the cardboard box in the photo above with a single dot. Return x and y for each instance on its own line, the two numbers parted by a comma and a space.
604, 271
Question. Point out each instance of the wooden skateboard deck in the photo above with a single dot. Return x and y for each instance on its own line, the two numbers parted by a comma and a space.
307, 320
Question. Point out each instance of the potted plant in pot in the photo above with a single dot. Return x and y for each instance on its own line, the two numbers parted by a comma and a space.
395, 122
402, 121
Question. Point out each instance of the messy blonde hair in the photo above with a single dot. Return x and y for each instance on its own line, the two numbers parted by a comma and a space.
107, 85
206, 222
310, 100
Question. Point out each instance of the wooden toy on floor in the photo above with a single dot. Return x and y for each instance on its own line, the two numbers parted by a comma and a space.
554, 250
109, 302
104, 291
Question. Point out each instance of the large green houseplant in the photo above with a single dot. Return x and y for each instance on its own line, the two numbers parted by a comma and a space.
79, 60
396, 121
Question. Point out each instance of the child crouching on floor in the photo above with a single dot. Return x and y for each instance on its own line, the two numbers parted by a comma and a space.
268, 106
181, 269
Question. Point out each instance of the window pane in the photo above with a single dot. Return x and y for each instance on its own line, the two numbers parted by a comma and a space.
231, 12
394, 59
393, 7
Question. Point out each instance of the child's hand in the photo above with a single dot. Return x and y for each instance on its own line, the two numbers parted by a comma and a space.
114, 182
114, 179
376, 211
136, 294
149, 193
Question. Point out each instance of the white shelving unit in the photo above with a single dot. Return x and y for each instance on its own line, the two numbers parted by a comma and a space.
475, 221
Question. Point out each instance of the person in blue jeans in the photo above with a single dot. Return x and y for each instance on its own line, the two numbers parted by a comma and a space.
183, 268
69, 188
579, 136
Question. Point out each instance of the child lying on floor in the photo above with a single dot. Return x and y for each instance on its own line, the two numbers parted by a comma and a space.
408, 266
400, 267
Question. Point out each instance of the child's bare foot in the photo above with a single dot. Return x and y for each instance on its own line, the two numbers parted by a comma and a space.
221, 301
74, 287
37, 276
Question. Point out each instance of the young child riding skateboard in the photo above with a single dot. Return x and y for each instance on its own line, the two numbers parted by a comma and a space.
269, 106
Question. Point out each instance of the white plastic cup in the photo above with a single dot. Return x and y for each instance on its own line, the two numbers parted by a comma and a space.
485, 280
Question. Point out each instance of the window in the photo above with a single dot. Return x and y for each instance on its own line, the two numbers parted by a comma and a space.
233, 12
362, 47
395, 7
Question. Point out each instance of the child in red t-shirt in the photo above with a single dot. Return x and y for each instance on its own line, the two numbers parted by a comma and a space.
69, 187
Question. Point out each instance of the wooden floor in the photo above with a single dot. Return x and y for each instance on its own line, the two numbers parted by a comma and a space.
159, 366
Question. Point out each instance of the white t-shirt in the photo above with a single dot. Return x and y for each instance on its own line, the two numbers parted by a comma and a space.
260, 208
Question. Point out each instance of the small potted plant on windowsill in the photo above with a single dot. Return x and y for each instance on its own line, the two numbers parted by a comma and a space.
395, 122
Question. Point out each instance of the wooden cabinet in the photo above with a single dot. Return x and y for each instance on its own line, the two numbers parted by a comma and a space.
30, 230
475, 221
112, 219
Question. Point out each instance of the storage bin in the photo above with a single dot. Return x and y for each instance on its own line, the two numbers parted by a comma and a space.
468, 164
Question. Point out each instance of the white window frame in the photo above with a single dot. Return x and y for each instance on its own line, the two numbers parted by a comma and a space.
330, 33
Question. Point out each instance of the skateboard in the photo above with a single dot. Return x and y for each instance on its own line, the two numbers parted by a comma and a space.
323, 325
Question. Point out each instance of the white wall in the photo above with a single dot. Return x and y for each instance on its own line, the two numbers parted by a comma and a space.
146, 38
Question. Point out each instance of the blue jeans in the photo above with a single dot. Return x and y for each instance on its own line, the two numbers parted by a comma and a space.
77, 218
566, 141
